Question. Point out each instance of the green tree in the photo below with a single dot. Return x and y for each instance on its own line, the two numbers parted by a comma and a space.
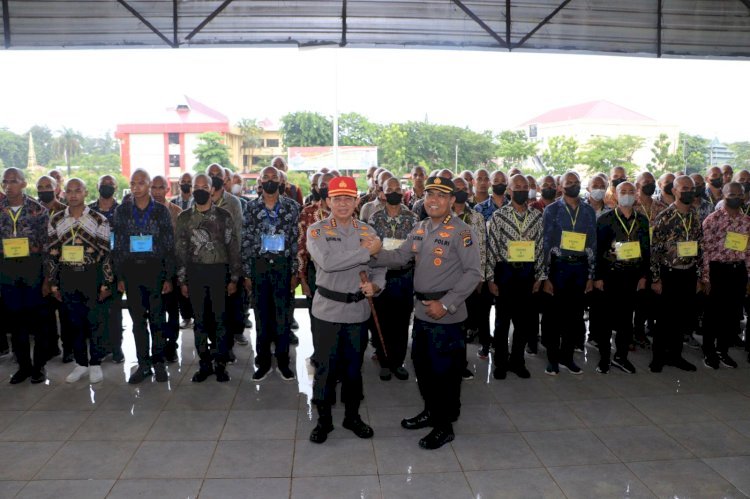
604, 153
692, 154
14, 149
357, 130
561, 155
514, 148
252, 138
741, 152
306, 129
43, 144
67, 145
211, 149
662, 160
103, 145
392, 144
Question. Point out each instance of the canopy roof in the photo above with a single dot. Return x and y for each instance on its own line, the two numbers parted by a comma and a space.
692, 28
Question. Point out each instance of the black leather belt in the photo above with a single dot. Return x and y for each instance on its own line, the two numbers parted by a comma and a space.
430, 296
143, 261
341, 297
572, 259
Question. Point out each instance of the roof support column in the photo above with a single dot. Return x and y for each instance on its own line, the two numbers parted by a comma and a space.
660, 6
6, 23
343, 24
175, 20
507, 24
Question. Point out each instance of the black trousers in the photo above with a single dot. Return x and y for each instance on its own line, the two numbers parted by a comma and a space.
338, 355
394, 306
311, 275
172, 311
207, 292
143, 286
4, 345
113, 321
478, 305
566, 310
49, 313
23, 301
676, 312
515, 282
645, 311
439, 358
617, 306
722, 318
184, 306
271, 283
86, 314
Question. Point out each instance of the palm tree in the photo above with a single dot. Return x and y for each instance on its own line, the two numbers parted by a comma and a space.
252, 137
68, 145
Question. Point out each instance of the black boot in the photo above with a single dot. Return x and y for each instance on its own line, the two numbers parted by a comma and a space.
324, 426
421, 420
206, 369
438, 437
221, 372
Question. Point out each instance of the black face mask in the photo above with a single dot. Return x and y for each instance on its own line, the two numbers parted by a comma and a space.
746, 185
618, 181
733, 203
270, 186
499, 189
106, 191
717, 182
461, 196
46, 196
648, 189
282, 189
323, 192
394, 198
549, 194
700, 192
687, 197
573, 191
520, 197
315, 195
201, 196
186, 188
668, 188
217, 183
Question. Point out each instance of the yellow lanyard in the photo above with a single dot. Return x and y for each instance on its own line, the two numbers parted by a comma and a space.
220, 202
632, 225
686, 226
521, 226
74, 234
14, 217
573, 219
745, 209
648, 213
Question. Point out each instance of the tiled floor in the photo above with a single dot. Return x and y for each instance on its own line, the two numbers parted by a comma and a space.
647, 435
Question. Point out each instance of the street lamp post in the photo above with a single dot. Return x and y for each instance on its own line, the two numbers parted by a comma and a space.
455, 164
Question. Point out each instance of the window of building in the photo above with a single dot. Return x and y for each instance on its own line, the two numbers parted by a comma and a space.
174, 138
174, 160
272, 142
245, 160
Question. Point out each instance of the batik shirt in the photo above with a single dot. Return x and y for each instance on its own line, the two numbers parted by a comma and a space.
155, 220
670, 228
559, 217
206, 237
54, 207
505, 225
309, 215
715, 230
391, 230
91, 231
31, 223
410, 197
476, 222
651, 212
283, 219
109, 214
704, 209
487, 207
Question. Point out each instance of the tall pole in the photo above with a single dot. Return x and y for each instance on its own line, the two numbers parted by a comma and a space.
336, 109
455, 164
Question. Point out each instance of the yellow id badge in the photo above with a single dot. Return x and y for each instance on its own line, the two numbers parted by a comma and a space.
72, 254
521, 251
390, 243
16, 247
573, 241
628, 251
735, 241
686, 249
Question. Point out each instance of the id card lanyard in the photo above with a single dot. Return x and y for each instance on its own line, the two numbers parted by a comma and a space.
628, 231
272, 220
141, 223
14, 218
687, 225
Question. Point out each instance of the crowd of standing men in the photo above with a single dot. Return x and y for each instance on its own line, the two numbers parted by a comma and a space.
667, 257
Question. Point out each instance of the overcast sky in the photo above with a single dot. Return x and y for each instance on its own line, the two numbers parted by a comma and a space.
93, 90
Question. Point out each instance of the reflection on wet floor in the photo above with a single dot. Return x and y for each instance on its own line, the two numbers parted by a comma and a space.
670, 435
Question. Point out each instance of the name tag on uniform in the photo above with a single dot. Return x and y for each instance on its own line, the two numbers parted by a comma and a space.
272, 243
16, 247
735, 241
686, 249
573, 241
72, 254
628, 251
141, 244
390, 243
521, 251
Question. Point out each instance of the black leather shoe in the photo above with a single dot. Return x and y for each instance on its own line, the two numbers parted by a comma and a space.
437, 438
19, 377
519, 370
38, 376
320, 433
681, 363
400, 373
499, 373
421, 420
221, 373
358, 427
293, 339
201, 375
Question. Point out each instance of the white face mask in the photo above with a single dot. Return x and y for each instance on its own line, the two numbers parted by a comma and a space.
597, 194
532, 194
626, 200
236, 189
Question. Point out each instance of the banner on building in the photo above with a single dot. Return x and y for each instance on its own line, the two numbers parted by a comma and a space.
315, 158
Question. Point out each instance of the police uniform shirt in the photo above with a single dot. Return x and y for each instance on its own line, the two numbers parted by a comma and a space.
339, 258
446, 258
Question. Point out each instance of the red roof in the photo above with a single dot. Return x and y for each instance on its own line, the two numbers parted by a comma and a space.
594, 110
